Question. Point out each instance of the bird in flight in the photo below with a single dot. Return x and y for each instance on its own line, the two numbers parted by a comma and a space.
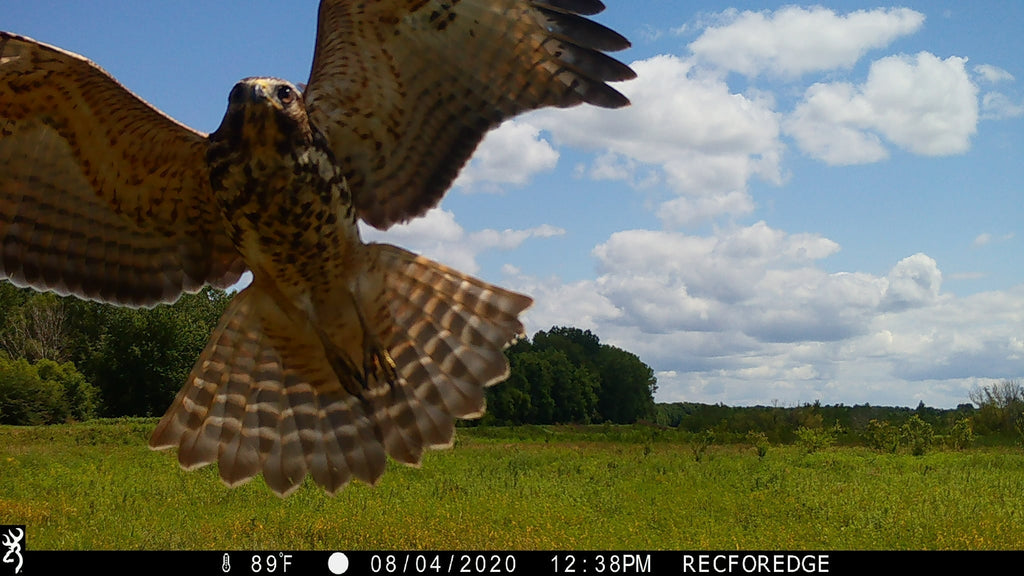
339, 353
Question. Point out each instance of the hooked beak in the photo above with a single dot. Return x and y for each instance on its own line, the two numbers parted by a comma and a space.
255, 91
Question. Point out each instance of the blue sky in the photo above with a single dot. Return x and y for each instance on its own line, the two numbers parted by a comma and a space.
803, 202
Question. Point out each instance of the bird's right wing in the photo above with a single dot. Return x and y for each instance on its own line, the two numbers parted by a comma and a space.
101, 195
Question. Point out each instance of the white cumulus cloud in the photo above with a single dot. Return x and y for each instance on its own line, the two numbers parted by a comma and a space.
913, 282
992, 74
512, 153
703, 141
921, 103
793, 40
996, 106
749, 315
437, 235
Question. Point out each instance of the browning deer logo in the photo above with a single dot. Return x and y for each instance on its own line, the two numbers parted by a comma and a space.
12, 540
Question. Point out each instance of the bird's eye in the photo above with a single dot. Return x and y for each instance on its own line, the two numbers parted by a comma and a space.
285, 94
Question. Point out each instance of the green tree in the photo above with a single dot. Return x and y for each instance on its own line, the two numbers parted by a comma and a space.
136, 358
581, 347
144, 356
536, 373
543, 387
36, 327
11, 299
83, 398
26, 399
627, 386
575, 390
508, 403
999, 407
567, 376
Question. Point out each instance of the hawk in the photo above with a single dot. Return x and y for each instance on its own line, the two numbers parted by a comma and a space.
339, 353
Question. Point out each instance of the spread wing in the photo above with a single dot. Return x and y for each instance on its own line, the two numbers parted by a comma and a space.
101, 195
404, 90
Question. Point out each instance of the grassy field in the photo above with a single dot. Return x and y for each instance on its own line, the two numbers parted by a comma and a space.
97, 486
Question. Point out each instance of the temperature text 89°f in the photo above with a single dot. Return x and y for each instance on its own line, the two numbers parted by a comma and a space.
276, 563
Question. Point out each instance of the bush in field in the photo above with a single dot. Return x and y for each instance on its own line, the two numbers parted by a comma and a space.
814, 439
43, 393
1018, 426
760, 442
882, 436
918, 435
961, 435
700, 443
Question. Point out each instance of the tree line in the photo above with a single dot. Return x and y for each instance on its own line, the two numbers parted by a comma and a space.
62, 358
65, 359
995, 415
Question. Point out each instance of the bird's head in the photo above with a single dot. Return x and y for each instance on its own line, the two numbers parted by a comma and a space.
265, 112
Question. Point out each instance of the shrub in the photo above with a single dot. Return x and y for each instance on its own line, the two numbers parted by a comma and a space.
918, 435
700, 443
882, 436
26, 399
814, 439
83, 397
43, 393
760, 442
961, 435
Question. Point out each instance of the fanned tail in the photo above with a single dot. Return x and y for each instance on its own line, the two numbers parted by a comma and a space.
450, 330
273, 394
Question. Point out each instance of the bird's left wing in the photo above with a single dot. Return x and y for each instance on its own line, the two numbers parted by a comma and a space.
101, 195
404, 90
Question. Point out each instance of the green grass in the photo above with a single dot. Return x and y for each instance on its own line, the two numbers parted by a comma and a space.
97, 486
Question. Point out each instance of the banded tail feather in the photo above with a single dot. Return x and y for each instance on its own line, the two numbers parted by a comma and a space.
266, 397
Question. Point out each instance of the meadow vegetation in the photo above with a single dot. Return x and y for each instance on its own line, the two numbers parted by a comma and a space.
95, 485
573, 453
